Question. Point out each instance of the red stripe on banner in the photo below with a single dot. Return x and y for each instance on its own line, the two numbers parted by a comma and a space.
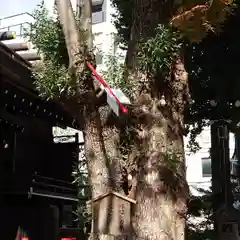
101, 80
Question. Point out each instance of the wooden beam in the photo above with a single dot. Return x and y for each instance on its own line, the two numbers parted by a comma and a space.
12, 54
15, 79
29, 55
16, 46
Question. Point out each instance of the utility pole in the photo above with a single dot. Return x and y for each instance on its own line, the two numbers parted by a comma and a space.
216, 164
226, 217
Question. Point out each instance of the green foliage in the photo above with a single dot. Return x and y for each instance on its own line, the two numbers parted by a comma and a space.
194, 17
115, 74
194, 129
47, 36
157, 54
51, 76
83, 216
200, 211
52, 81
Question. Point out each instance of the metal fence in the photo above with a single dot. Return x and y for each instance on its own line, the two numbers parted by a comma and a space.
17, 28
16, 23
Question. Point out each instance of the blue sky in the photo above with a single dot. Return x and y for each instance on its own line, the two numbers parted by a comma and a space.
11, 7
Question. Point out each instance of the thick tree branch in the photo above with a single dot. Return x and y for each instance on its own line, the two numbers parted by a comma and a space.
87, 23
71, 33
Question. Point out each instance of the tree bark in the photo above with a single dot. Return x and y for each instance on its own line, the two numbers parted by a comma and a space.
111, 135
110, 129
86, 20
94, 146
100, 137
161, 188
74, 41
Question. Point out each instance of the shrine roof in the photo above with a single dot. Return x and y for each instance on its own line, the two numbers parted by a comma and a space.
16, 84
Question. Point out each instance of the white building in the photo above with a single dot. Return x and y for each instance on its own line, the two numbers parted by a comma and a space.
103, 29
198, 164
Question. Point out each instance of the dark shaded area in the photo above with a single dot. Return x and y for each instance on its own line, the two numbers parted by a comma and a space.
213, 67
18, 94
197, 206
35, 172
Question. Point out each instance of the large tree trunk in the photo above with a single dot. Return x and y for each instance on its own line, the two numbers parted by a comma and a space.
100, 134
161, 189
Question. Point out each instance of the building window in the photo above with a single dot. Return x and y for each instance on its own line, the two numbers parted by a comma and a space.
99, 58
207, 170
206, 167
98, 10
97, 14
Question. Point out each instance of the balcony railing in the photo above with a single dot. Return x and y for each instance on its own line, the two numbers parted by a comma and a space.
17, 28
52, 188
17, 18
16, 23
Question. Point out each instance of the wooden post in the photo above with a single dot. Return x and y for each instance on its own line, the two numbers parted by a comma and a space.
217, 178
